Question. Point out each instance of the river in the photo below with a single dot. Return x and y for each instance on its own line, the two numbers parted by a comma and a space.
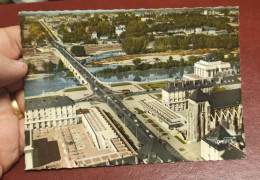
53, 83
59, 81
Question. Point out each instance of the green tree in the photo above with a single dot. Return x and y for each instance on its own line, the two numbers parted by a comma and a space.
78, 51
49, 66
137, 61
31, 68
60, 66
135, 45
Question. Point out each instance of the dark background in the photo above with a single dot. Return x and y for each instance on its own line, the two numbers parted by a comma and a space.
250, 67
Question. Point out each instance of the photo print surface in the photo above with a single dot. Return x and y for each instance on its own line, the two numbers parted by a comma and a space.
120, 87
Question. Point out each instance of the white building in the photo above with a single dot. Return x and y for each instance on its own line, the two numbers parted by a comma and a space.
120, 29
48, 112
168, 118
175, 94
210, 68
94, 35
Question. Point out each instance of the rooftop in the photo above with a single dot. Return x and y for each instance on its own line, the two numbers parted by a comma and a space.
219, 133
190, 85
218, 99
233, 153
48, 102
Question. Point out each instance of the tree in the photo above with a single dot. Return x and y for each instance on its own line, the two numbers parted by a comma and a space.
218, 88
137, 61
135, 45
78, 51
49, 66
31, 68
60, 66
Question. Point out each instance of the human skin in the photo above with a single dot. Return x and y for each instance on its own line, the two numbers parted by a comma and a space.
12, 71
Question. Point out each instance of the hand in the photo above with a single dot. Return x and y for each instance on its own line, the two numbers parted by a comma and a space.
12, 71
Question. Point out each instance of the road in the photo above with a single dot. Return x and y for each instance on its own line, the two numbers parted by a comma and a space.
149, 141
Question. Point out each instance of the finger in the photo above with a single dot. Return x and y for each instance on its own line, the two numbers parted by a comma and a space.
10, 42
19, 96
22, 136
5, 102
11, 71
18, 85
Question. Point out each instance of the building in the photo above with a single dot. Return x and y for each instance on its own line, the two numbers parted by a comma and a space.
94, 35
48, 112
207, 110
175, 94
120, 29
208, 67
219, 145
168, 118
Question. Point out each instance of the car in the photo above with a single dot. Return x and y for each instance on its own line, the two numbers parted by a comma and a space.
147, 131
151, 136
135, 120
137, 124
123, 109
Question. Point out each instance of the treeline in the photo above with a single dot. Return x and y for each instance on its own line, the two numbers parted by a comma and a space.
81, 31
135, 38
138, 66
191, 20
196, 42
47, 67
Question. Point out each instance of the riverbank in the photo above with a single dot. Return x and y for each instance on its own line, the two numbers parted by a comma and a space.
30, 77
150, 58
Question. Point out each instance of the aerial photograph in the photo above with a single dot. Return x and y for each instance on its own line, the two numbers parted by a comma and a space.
128, 87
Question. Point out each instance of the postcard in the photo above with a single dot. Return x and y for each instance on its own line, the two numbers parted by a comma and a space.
121, 87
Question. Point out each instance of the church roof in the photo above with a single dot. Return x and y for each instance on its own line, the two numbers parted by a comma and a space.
198, 96
219, 99
225, 98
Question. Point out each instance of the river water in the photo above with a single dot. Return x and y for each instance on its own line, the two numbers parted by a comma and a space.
59, 81
52, 83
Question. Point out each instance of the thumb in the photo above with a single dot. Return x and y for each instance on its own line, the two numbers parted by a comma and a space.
11, 71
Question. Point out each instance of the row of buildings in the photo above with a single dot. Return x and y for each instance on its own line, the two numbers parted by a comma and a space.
215, 119
62, 114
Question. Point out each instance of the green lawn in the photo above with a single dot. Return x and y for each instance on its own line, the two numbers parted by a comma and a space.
154, 85
159, 96
120, 84
130, 98
75, 89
